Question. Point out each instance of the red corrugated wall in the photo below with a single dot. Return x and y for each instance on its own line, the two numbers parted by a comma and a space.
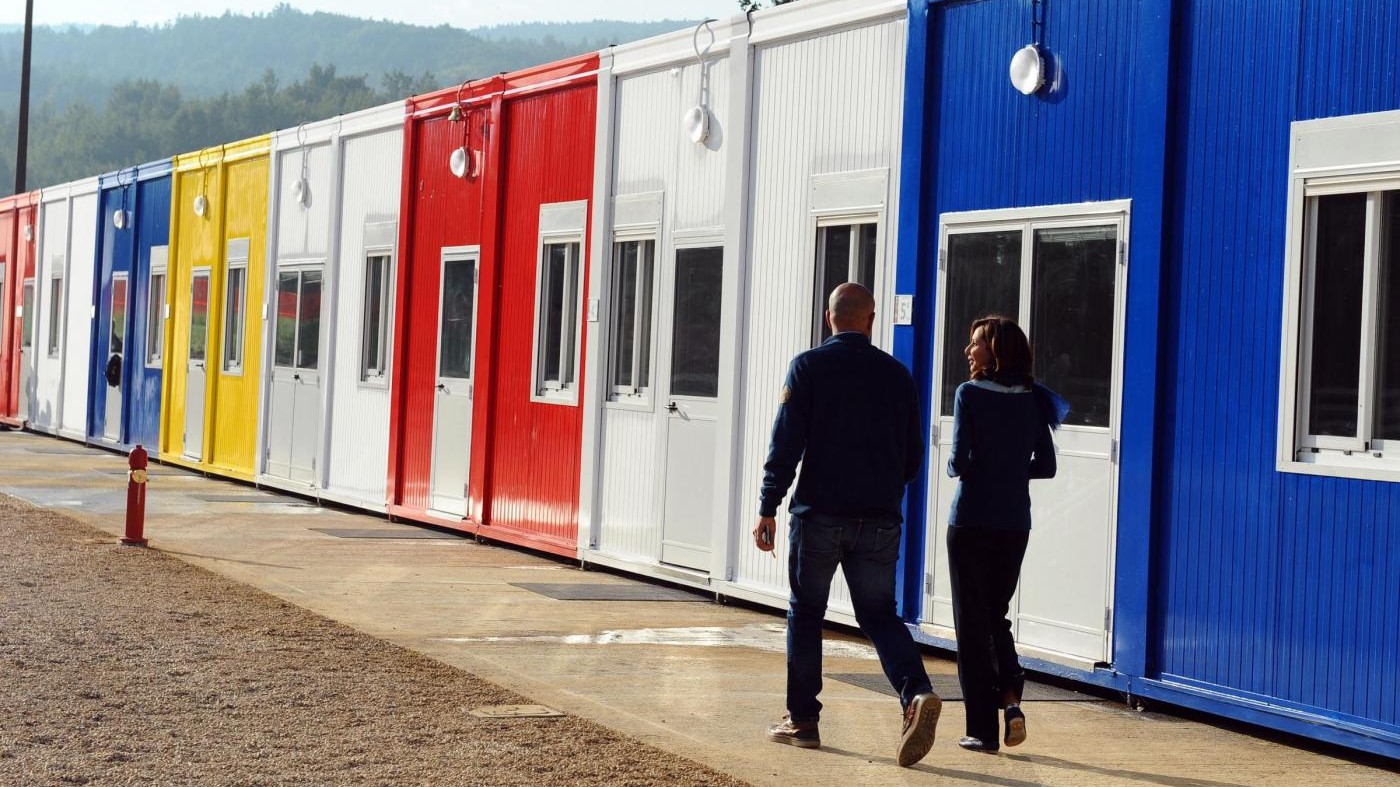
16, 213
533, 459
539, 149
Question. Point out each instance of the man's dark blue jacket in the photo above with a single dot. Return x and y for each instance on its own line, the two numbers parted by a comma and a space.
851, 416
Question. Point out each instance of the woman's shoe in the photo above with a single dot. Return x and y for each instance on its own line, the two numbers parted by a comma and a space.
977, 744
1015, 726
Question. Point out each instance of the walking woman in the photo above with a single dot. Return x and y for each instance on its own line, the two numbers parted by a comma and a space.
1002, 423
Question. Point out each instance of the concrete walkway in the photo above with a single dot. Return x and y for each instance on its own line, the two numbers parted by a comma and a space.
691, 677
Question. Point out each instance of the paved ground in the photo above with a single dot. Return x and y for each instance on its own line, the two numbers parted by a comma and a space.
699, 680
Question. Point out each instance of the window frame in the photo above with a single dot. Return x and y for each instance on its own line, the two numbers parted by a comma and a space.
637, 397
379, 378
4, 282
698, 241
1027, 221
225, 368
298, 268
853, 220
125, 278
26, 323
1354, 154
56, 309
560, 224
156, 313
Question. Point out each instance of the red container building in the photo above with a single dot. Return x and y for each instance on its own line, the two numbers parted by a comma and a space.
19, 294
490, 306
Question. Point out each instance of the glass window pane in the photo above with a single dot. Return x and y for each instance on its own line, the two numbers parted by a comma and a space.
458, 309
624, 281
1388, 337
568, 316
284, 354
865, 256
646, 267
1339, 266
199, 316
1072, 317
27, 330
695, 347
55, 315
984, 277
375, 318
233, 320
155, 322
309, 321
833, 270
118, 329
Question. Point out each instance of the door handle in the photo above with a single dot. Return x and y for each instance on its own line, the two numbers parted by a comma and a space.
442, 387
673, 408
296, 377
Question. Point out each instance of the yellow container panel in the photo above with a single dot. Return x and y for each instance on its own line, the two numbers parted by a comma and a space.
233, 419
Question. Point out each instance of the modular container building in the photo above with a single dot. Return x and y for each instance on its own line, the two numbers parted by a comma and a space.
749, 168
210, 389
1194, 211
331, 245
18, 215
132, 285
489, 305
63, 329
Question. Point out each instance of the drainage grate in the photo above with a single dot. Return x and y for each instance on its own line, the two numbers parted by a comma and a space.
577, 591
379, 532
946, 686
515, 712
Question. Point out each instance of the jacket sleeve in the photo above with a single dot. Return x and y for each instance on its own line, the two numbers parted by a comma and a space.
1043, 463
914, 454
789, 440
960, 458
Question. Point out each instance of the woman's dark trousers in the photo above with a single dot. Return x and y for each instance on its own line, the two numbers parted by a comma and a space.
985, 565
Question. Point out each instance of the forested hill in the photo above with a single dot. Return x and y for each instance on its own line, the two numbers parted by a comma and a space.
105, 97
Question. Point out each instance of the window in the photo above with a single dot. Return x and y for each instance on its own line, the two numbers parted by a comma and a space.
1339, 411
374, 332
235, 304
199, 316
27, 328
1056, 274
631, 278
846, 252
298, 340
696, 333
155, 309
3, 297
56, 312
557, 321
116, 336
458, 318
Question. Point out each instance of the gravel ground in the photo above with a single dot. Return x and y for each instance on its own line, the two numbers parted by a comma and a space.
125, 666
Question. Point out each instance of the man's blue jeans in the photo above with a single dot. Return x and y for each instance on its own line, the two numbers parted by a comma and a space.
867, 551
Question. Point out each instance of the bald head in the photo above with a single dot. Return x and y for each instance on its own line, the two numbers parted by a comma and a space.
851, 307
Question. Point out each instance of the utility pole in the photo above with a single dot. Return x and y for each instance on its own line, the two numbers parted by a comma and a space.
22, 149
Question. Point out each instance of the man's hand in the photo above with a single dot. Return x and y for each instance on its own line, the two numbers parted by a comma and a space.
764, 533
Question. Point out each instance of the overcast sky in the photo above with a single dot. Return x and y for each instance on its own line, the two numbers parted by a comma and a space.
458, 13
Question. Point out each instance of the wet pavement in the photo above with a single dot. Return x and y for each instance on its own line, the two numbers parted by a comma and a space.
698, 679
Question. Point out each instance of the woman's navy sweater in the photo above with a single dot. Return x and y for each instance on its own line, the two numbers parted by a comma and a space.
1001, 440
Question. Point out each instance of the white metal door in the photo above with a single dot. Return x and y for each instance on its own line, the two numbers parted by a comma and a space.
452, 401
113, 372
195, 376
1062, 279
692, 406
26, 348
294, 407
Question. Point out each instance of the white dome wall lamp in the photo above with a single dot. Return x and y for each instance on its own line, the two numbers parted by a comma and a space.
28, 232
121, 218
697, 119
1027, 70
301, 188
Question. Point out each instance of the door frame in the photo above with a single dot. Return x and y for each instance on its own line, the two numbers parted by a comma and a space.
299, 266
455, 254
1117, 212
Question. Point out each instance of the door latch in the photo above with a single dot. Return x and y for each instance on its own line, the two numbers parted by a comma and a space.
673, 408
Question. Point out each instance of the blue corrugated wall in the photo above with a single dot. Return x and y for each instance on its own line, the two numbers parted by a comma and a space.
1279, 587
153, 229
114, 252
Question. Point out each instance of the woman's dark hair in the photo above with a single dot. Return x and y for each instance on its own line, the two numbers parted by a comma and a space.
1011, 352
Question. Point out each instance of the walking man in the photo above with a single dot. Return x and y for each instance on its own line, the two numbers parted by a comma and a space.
849, 414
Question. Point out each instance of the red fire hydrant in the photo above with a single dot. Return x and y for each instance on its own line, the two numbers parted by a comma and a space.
136, 498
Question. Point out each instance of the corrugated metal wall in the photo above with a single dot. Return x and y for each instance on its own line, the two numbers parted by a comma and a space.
194, 243
152, 221
304, 232
832, 103
114, 251
77, 342
534, 461
654, 156
9, 320
25, 210
53, 255
1280, 586
371, 172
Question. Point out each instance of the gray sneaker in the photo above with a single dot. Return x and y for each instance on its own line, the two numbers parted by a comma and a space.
920, 723
802, 734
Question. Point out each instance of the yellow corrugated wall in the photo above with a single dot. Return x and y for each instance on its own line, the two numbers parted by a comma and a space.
234, 178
